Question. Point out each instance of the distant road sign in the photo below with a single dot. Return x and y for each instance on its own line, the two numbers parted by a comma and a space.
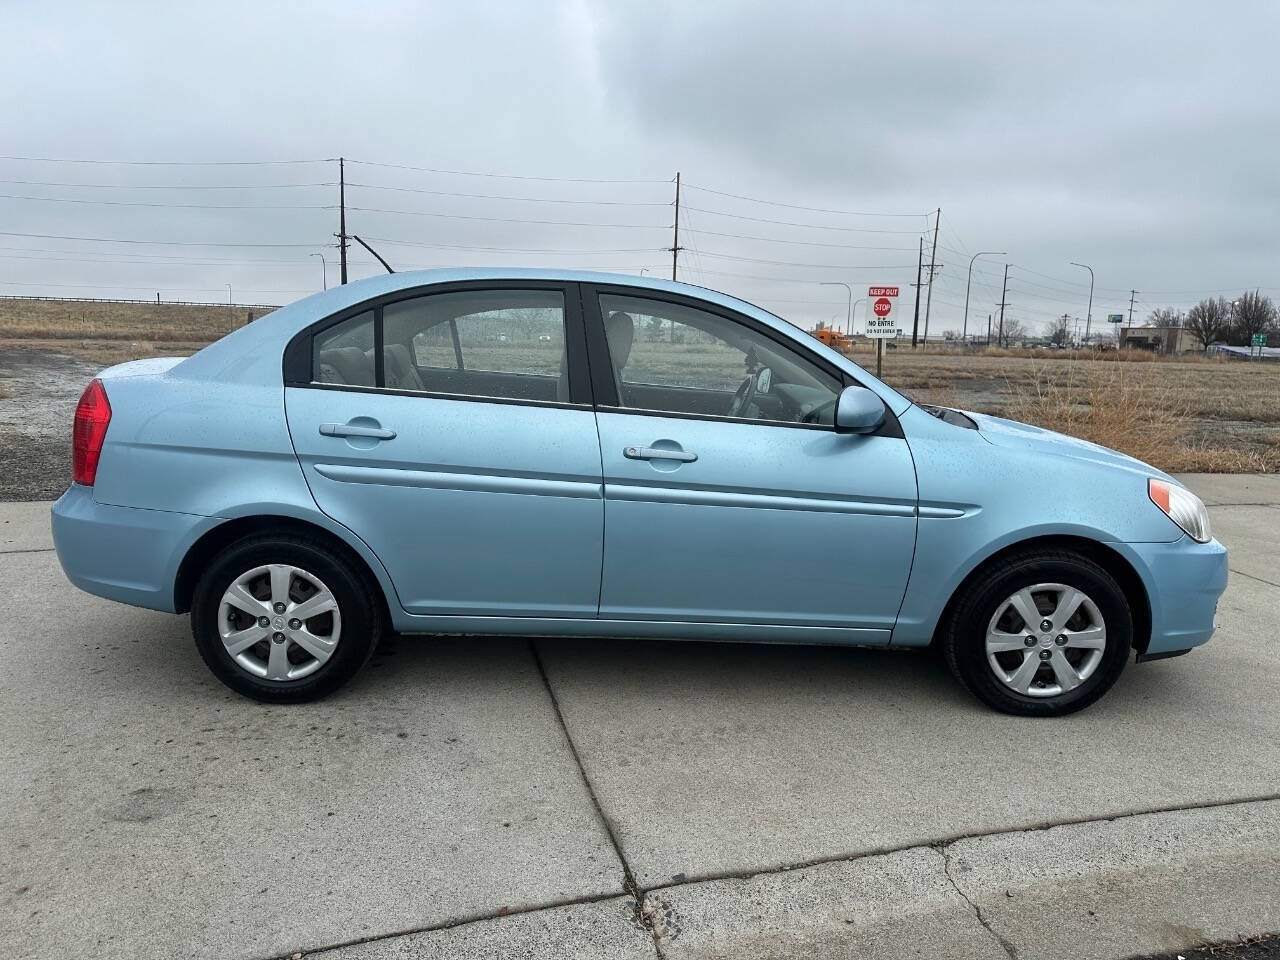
1259, 340
1115, 318
883, 324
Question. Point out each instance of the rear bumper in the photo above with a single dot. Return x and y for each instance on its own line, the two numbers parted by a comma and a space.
122, 553
1184, 580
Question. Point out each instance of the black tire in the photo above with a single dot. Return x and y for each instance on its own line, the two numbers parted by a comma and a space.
963, 638
361, 615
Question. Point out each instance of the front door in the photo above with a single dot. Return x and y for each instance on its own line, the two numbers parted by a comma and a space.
452, 430
729, 497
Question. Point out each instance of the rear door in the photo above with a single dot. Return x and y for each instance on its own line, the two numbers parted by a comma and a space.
729, 497
451, 428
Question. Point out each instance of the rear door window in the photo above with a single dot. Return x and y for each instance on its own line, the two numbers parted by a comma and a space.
343, 354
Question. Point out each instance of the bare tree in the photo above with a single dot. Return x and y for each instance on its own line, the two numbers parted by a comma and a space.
1209, 319
1166, 317
1012, 332
1060, 332
1251, 313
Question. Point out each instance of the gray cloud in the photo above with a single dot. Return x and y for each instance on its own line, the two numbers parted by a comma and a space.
1137, 137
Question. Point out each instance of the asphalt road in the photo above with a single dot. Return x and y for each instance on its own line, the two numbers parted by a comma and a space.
479, 797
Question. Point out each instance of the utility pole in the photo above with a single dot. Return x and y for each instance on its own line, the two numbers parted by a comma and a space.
675, 237
1003, 288
915, 324
933, 267
342, 216
988, 329
1132, 296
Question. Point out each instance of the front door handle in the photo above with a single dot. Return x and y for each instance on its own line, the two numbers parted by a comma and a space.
355, 430
658, 453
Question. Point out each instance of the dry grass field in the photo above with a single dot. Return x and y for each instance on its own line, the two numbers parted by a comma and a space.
106, 320
1180, 414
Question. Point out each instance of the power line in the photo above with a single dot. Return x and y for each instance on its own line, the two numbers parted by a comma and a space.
487, 249
486, 196
792, 223
169, 163
140, 286
796, 206
183, 206
168, 262
806, 243
499, 176
172, 186
813, 266
461, 216
158, 243
151, 256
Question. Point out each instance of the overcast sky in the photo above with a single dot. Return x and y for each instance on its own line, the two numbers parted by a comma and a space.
1139, 138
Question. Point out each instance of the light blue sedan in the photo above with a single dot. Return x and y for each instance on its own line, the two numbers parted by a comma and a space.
552, 453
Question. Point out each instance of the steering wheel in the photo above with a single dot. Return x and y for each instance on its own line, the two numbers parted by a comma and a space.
743, 396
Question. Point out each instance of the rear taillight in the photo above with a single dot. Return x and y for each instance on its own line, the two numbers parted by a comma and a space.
93, 414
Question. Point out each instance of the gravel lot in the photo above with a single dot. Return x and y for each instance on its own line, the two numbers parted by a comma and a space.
41, 390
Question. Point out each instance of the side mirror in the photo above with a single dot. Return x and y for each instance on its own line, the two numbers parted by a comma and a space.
858, 411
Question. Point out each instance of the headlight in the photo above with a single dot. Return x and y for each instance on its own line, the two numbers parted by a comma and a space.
1182, 507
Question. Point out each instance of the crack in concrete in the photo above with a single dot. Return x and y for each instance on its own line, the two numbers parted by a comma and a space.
1250, 576
641, 917
30, 550
944, 851
641, 896
956, 838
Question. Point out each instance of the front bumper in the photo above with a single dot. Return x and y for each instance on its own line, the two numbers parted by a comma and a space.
123, 553
1184, 580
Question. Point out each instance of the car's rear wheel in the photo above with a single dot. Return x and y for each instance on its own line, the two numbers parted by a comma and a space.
1040, 634
284, 618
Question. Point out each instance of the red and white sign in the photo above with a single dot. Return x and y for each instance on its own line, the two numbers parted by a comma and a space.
882, 323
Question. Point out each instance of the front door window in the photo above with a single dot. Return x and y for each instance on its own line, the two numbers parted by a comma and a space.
672, 358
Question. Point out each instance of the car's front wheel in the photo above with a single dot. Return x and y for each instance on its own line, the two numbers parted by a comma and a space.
283, 618
1040, 634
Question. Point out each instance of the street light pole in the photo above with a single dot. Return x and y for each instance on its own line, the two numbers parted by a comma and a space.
853, 312
964, 335
837, 283
1088, 317
324, 272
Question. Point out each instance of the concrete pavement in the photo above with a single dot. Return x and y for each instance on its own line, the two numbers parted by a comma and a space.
769, 801
150, 812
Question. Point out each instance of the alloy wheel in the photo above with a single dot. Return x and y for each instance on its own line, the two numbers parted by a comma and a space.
1046, 640
279, 622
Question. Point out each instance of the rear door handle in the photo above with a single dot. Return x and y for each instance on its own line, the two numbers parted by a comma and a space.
658, 453
355, 430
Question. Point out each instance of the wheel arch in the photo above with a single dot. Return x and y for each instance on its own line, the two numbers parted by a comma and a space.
239, 528
1110, 559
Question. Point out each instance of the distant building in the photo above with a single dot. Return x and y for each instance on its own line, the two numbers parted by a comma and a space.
1160, 339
